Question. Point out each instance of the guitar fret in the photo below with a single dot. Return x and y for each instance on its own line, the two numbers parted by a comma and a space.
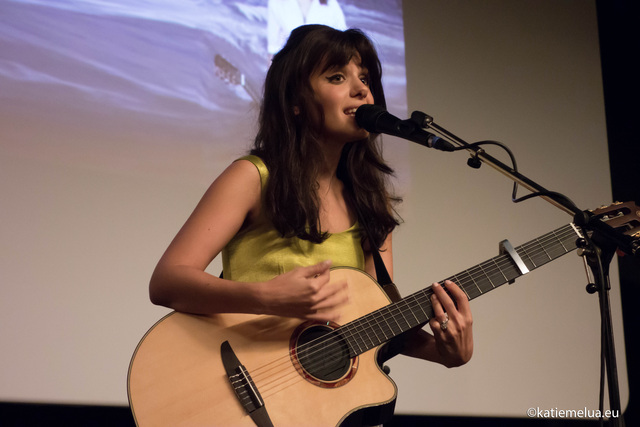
485, 284
545, 251
472, 288
465, 292
496, 274
400, 320
357, 335
530, 253
352, 344
560, 241
376, 336
538, 255
388, 328
366, 333
558, 250
391, 328
394, 319
553, 248
510, 271
484, 272
421, 307
413, 313
567, 246
526, 254
474, 282
480, 278
500, 269
390, 321
378, 332
407, 324
359, 329
397, 318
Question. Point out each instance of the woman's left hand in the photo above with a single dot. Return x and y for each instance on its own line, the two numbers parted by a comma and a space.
452, 324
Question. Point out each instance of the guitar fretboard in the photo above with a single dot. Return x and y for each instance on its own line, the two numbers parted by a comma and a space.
414, 310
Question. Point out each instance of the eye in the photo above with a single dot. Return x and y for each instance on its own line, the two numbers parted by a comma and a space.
365, 79
335, 78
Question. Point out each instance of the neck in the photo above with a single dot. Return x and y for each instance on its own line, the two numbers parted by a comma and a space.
330, 161
328, 173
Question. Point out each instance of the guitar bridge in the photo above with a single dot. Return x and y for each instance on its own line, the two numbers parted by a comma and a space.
244, 387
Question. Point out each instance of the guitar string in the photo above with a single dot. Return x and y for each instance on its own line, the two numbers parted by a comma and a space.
463, 282
536, 244
423, 295
532, 250
289, 379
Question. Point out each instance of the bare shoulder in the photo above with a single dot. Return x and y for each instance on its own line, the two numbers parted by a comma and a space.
243, 172
232, 200
238, 186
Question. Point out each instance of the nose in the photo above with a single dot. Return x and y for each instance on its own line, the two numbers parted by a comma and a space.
360, 89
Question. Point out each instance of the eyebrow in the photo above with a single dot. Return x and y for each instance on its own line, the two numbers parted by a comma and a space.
333, 68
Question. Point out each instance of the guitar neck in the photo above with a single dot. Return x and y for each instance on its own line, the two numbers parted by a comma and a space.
414, 310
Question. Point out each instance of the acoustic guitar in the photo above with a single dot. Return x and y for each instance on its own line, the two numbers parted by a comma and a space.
246, 370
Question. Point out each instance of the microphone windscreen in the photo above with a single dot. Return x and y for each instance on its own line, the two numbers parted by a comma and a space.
367, 117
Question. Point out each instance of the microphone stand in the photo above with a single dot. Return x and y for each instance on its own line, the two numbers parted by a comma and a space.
598, 247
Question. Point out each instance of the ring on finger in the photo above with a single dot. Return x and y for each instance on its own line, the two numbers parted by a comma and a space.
443, 324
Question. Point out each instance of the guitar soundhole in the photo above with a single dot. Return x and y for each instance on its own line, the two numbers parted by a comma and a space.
322, 356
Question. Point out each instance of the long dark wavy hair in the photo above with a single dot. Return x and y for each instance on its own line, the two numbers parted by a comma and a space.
288, 140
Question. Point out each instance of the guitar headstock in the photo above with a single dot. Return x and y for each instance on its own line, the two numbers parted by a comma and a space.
624, 218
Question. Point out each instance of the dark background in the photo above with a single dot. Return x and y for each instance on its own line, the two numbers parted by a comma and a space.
619, 47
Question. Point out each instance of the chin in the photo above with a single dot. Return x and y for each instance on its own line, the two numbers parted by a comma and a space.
362, 135
359, 139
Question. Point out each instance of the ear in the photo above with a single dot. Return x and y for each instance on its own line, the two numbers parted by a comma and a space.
296, 110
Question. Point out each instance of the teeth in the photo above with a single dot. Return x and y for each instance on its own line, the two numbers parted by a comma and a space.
350, 111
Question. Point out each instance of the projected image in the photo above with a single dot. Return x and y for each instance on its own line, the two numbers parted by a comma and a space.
115, 116
93, 80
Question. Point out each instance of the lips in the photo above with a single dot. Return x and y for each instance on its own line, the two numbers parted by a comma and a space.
352, 111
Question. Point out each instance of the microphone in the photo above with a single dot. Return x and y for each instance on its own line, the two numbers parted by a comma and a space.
376, 119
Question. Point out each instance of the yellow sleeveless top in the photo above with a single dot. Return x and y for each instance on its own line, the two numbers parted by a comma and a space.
259, 253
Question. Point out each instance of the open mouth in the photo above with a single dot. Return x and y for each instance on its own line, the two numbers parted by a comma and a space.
351, 111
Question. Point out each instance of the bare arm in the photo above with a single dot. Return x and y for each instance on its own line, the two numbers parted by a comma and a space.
180, 282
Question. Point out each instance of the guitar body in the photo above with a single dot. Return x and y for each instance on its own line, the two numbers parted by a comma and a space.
215, 370
177, 378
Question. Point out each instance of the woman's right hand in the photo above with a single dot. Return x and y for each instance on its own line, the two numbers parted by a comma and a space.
306, 293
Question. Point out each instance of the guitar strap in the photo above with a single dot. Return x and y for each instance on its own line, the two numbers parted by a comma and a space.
383, 278
396, 345
382, 275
